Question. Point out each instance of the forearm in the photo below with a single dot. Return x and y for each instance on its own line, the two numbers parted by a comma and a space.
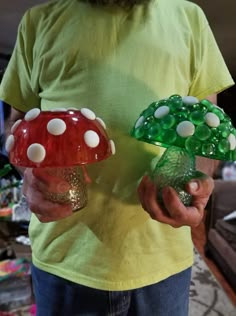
15, 115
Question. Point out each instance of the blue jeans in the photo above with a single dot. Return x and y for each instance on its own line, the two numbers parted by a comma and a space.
58, 297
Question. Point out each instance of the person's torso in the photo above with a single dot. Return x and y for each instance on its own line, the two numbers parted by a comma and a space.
115, 63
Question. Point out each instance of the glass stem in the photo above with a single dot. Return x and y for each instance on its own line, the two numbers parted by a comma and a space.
175, 168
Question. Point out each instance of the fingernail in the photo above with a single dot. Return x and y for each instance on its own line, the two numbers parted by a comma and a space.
194, 185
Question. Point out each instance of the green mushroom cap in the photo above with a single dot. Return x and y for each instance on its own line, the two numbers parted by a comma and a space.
200, 127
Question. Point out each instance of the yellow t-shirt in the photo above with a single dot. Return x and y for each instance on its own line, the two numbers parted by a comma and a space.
115, 62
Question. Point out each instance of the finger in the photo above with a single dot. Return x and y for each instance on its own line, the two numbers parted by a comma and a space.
53, 210
201, 190
38, 204
200, 187
152, 205
142, 191
49, 215
27, 181
174, 207
49, 182
48, 219
180, 214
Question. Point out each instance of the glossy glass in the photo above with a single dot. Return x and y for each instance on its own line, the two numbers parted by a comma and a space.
212, 142
67, 149
60, 143
187, 127
77, 194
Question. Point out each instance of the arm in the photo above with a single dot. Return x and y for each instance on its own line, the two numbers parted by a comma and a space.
37, 182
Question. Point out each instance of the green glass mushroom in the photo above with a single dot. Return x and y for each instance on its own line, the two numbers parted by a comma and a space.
187, 127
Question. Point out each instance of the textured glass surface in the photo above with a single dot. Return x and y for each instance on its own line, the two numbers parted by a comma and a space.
65, 149
175, 168
186, 127
200, 127
77, 195
60, 142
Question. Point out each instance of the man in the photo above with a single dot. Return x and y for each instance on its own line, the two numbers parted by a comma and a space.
114, 57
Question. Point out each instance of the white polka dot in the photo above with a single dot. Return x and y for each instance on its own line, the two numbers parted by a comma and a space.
56, 127
139, 121
10, 142
91, 139
190, 100
232, 141
185, 129
72, 108
88, 113
162, 111
113, 147
32, 114
59, 110
15, 125
36, 153
222, 110
212, 119
101, 122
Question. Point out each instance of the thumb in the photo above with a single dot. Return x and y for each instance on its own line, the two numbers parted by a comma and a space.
201, 187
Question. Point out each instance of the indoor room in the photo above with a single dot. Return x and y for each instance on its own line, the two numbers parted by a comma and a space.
125, 81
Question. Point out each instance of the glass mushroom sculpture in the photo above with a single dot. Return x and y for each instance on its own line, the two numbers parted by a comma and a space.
186, 127
61, 142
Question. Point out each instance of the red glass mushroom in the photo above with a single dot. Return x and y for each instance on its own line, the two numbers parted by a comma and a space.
63, 141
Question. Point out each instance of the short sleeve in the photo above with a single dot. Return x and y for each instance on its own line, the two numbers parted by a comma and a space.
211, 74
16, 87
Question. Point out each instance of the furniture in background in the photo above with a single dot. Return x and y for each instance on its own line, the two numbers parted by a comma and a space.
220, 233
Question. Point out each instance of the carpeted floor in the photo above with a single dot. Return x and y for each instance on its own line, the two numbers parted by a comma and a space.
207, 297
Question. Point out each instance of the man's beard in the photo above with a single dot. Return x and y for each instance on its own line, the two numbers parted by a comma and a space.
123, 3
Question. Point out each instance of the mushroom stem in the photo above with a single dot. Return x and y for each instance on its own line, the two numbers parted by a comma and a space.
175, 168
86, 175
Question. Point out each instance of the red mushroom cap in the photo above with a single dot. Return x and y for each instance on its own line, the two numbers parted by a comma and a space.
60, 138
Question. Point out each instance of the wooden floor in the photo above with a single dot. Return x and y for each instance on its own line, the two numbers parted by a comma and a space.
199, 239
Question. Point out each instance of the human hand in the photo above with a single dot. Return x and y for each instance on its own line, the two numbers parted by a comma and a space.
176, 213
36, 185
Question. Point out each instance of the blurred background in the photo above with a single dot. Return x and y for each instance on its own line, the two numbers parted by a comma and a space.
213, 285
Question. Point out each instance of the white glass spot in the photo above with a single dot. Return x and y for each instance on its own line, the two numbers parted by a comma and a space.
15, 125
212, 119
10, 142
56, 126
32, 114
139, 121
59, 110
72, 109
232, 141
36, 153
190, 100
162, 111
91, 139
88, 113
113, 147
185, 129
101, 122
